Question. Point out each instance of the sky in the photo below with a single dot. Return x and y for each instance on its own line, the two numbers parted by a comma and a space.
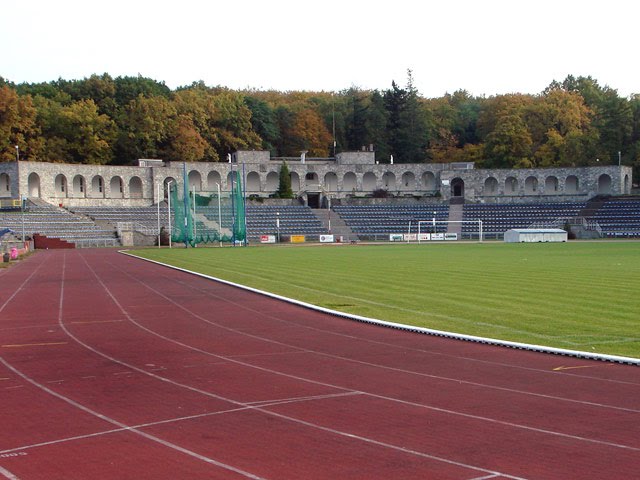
486, 47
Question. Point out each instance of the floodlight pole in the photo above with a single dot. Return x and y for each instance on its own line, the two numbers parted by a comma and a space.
17, 153
169, 208
434, 223
219, 216
158, 203
22, 200
278, 225
194, 215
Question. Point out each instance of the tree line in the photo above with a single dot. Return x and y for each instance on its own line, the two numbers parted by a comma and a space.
115, 121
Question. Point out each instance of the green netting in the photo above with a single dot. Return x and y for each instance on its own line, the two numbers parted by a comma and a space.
203, 218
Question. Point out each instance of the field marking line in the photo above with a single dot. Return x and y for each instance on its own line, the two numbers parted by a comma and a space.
108, 419
422, 313
396, 346
165, 422
21, 286
427, 331
437, 409
259, 409
7, 474
44, 344
328, 355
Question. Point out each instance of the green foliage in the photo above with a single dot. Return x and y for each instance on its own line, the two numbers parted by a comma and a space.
116, 121
284, 184
540, 294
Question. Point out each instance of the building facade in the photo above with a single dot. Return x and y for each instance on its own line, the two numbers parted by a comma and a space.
349, 174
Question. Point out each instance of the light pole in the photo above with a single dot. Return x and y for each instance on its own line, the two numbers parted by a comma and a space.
329, 212
434, 222
22, 201
219, 215
17, 153
169, 207
278, 225
194, 215
158, 203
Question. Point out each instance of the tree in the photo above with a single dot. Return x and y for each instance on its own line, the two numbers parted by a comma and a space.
284, 185
263, 122
406, 123
18, 127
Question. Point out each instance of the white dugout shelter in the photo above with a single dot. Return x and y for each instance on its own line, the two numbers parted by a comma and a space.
535, 235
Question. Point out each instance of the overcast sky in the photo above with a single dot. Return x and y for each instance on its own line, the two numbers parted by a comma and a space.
486, 47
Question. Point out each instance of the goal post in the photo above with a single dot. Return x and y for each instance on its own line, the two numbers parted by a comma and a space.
431, 226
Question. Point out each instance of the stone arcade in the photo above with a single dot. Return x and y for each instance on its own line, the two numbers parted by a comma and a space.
349, 174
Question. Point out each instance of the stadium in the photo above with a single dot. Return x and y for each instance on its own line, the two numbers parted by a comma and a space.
368, 358
350, 197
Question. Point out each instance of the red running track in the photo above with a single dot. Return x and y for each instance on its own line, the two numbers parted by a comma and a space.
115, 368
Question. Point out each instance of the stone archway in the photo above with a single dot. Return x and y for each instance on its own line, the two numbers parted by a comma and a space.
457, 187
5, 185
33, 185
604, 184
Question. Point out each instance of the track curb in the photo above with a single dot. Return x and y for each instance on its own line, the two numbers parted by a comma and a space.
398, 326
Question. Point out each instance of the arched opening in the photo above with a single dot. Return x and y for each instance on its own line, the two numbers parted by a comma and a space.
457, 187
311, 181
511, 186
626, 184
388, 181
349, 182
531, 186
33, 185
195, 181
97, 187
135, 187
295, 182
253, 182
331, 182
369, 181
170, 184
273, 182
490, 186
212, 179
60, 186
428, 181
571, 184
78, 187
551, 185
604, 183
116, 188
408, 181
5, 185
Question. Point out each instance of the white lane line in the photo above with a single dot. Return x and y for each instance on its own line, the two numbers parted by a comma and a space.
429, 407
260, 409
7, 474
162, 422
377, 342
110, 420
361, 362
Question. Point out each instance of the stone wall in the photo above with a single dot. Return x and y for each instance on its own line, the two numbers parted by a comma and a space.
87, 185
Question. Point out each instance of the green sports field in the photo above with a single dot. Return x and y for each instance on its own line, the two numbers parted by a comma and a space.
580, 296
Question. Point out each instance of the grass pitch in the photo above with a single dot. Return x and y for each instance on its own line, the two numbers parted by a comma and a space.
580, 296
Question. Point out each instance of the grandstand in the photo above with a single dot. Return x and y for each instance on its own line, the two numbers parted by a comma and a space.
55, 222
619, 218
283, 221
378, 221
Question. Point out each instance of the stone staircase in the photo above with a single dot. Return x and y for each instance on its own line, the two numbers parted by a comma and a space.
455, 214
338, 227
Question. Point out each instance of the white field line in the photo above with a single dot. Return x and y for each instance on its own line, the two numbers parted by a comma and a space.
427, 331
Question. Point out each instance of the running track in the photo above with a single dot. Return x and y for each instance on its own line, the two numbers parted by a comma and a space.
115, 368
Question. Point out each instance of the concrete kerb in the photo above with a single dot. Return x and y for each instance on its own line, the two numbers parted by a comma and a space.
410, 328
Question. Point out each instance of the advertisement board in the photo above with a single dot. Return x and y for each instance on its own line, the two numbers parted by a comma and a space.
326, 239
298, 239
395, 237
267, 239
451, 236
437, 236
